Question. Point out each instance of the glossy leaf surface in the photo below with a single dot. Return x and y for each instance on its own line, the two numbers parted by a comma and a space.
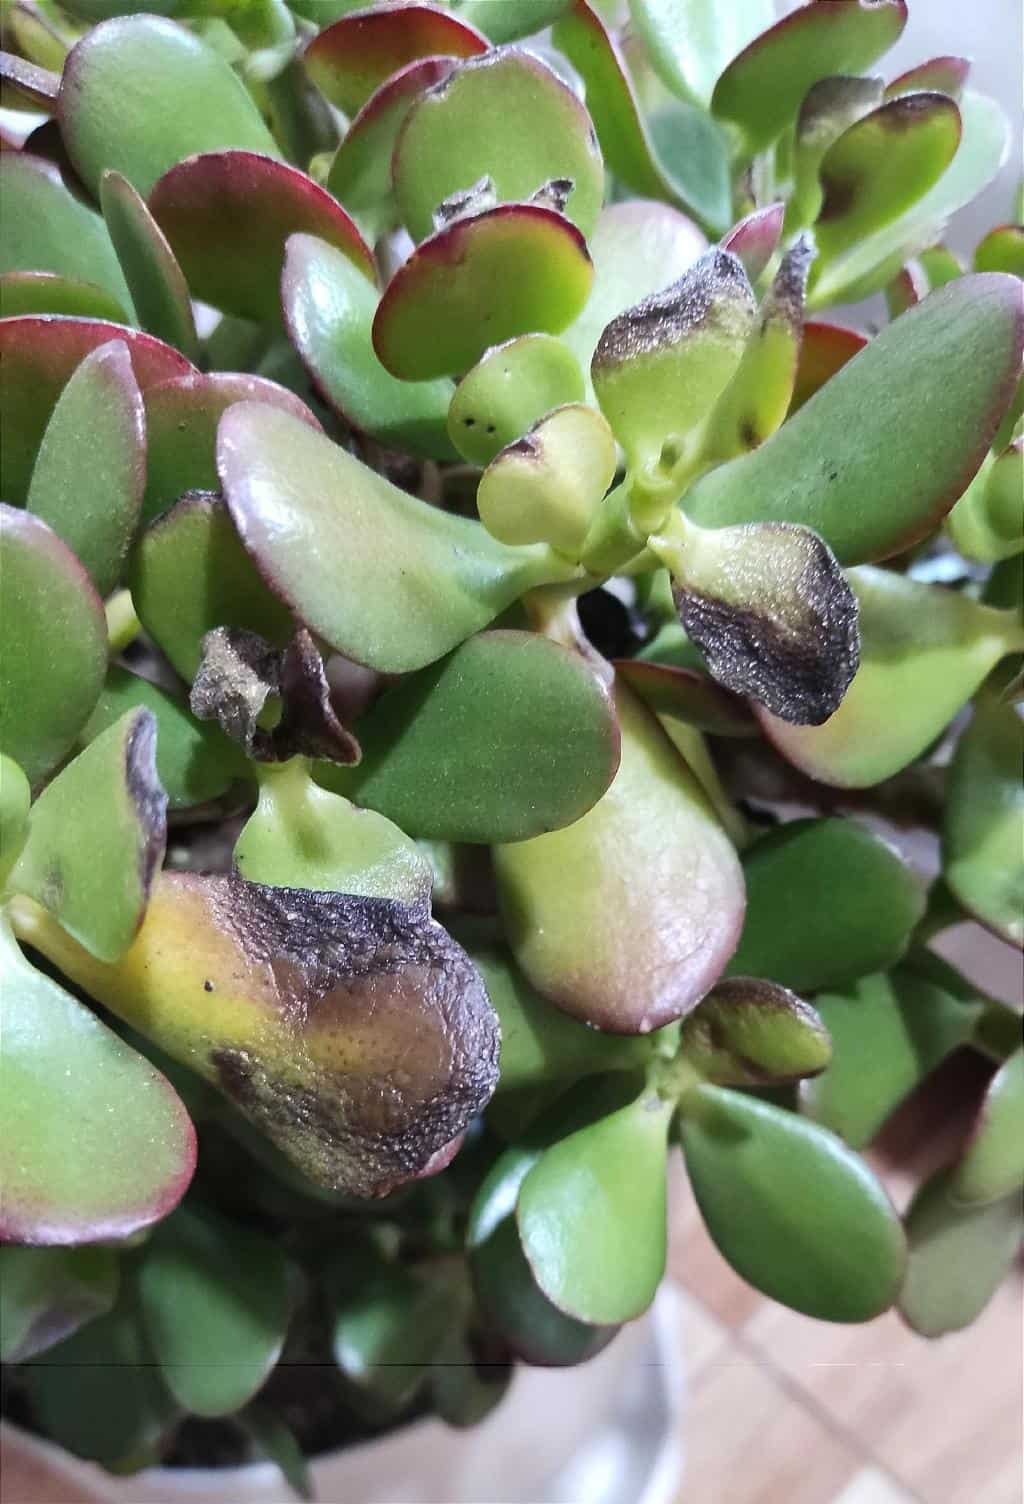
753, 241
690, 42
820, 469
748, 1032
508, 20
626, 918
158, 287
983, 836
946, 74
305, 508
48, 1293
506, 116
227, 216
591, 1215
992, 1165
1001, 250
55, 644
827, 901
214, 1300
359, 52
133, 1150
90, 471
390, 1324
158, 71
547, 486
795, 1213
15, 798
829, 110
329, 307
959, 1256
49, 292
508, 390
516, 269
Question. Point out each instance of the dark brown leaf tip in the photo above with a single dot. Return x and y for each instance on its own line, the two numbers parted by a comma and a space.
784, 301
750, 1032
554, 194
834, 103
240, 674
714, 292
482, 195
147, 795
775, 619
387, 1044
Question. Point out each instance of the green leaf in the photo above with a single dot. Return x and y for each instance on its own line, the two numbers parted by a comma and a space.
508, 20
189, 573
329, 307
387, 1330
821, 469
228, 216
761, 90
15, 798
959, 1256
925, 649
301, 836
90, 471
518, 701
591, 1215
547, 486
508, 390
1001, 250
49, 292
305, 508
689, 42
688, 695
55, 647
214, 1299
627, 917
514, 1305
46, 1294
827, 901
992, 1164
693, 149
749, 1032
480, 280
888, 1033
159, 290
983, 824
95, 1143
465, 1386
944, 74
96, 836
506, 116
829, 109
824, 350
275, 1441
795, 1213
129, 101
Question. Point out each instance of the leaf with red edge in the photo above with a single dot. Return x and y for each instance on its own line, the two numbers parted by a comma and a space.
754, 239
96, 1144
49, 292
26, 86
158, 287
761, 89
516, 269
227, 216
1002, 250
946, 75
824, 350
352, 58
38, 353
686, 694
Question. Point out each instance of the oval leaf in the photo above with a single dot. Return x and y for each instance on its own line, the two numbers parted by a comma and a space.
508, 390
686, 694
158, 287
992, 1164
548, 485
49, 292
749, 1032
359, 52
983, 825
46, 1294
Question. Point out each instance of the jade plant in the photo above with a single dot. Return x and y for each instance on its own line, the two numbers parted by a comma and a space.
473, 625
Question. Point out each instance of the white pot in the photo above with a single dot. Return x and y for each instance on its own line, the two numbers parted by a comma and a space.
605, 1433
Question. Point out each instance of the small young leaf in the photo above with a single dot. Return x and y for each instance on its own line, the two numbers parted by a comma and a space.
830, 108
278, 1444
46, 1294
796, 1214
983, 828
1002, 250
26, 86
547, 486
754, 240
158, 286
959, 1256
508, 390
992, 1164
15, 798
947, 75
387, 1330
749, 1032
49, 292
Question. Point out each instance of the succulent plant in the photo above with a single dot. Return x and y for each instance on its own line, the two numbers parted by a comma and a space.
465, 614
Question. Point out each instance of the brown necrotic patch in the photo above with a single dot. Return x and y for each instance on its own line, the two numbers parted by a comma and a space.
715, 291
147, 795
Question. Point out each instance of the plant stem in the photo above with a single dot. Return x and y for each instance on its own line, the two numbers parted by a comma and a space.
123, 626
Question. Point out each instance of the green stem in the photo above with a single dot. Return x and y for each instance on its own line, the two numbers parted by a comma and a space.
123, 626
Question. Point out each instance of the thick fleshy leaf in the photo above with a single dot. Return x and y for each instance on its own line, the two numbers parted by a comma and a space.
305, 509
508, 20
1002, 250
660, 365
795, 1213
753, 241
924, 651
983, 826
158, 287
360, 172
611, 100
987, 522
189, 573
627, 918
689, 695
301, 1007
274, 1440
329, 307
888, 1032
690, 42
821, 468
827, 901
945, 74
133, 1149
302, 836
959, 1256
48, 1293
547, 486
514, 1304
130, 100
761, 89
359, 52
182, 415
883, 165
45, 228
38, 354
992, 1164
506, 116
49, 292
749, 1032
829, 109
508, 390
516, 269
390, 1324
214, 1300
591, 1215
15, 798
227, 216
693, 150
194, 762
55, 644
824, 350
871, 263
90, 471
26, 86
